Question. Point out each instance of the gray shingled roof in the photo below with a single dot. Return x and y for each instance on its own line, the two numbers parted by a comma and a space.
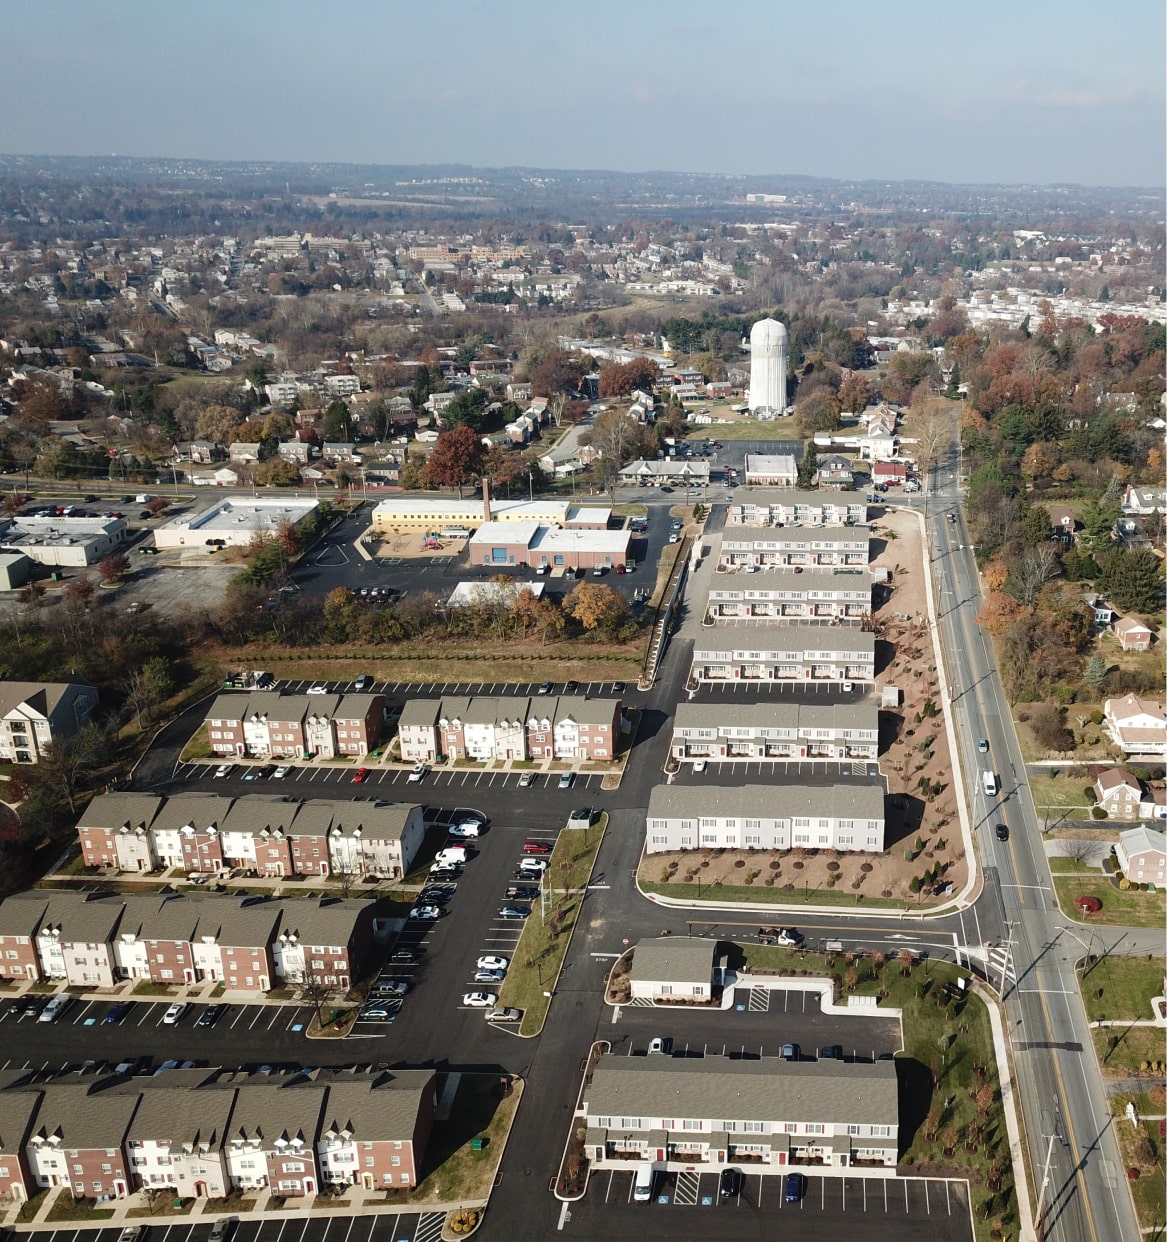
376, 1108
150, 916
16, 1113
321, 922
421, 712
200, 809
273, 1110
777, 714
354, 706
43, 697
774, 636
673, 959
183, 1116
454, 707
118, 810
20, 914
766, 801
717, 1088
259, 812
228, 921
584, 710
90, 921
83, 1115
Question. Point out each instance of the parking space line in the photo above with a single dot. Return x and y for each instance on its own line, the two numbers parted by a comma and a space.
927, 1200
884, 1180
906, 1208
258, 1015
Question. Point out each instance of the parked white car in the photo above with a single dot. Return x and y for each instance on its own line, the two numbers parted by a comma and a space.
480, 1000
174, 1014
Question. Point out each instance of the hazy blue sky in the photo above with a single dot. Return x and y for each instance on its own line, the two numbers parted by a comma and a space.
1028, 90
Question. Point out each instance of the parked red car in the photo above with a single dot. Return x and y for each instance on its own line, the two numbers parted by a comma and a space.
359, 776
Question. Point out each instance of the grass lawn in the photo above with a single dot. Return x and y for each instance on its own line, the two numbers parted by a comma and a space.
1142, 1148
539, 955
68, 1208
199, 747
1129, 909
1059, 793
31, 1207
1126, 1050
948, 1055
630, 510
775, 894
1153, 1100
1121, 987
455, 1172
745, 429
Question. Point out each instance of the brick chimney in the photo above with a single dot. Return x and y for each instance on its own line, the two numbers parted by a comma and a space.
486, 517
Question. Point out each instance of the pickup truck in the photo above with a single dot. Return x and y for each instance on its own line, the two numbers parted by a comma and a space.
521, 892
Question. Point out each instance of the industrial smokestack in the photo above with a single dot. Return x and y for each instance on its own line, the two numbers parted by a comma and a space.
486, 499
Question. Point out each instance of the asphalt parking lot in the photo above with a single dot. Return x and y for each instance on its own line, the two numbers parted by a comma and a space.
878, 1209
149, 1012
829, 771
761, 1021
386, 1227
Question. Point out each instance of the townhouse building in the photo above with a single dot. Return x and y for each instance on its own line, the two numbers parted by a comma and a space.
796, 594
114, 831
375, 1130
74, 938
842, 546
154, 938
783, 506
205, 833
325, 943
271, 1141
779, 730
20, 916
847, 817
770, 651
77, 1137
16, 1119
771, 1115
175, 1139
271, 724
33, 714
233, 942
203, 1133
547, 726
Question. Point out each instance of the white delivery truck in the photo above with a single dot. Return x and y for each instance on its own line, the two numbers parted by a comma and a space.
989, 780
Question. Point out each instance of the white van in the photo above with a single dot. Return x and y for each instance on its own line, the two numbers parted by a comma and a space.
642, 1184
53, 1010
989, 780
451, 854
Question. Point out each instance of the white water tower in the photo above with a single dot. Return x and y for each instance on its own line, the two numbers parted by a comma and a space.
769, 349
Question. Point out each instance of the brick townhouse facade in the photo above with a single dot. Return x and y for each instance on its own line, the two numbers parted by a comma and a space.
271, 724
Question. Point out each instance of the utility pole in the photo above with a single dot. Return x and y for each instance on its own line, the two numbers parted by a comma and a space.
1049, 1152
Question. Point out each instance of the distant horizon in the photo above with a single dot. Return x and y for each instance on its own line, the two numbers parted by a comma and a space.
1042, 93
244, 161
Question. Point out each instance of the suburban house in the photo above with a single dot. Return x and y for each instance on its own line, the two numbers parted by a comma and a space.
791, 593
1102, 613
271, 724
565, 726
1118, 793
889, 473
775, 730
835, 473
1137, 726
770, 470
773, 545
778, 506
671, 968
33, 714
771, 651
1144, 500
760, 817
771, 1115
1142, 856
1132, 635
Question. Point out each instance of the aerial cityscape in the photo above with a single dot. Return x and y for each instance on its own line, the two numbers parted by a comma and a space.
546, 698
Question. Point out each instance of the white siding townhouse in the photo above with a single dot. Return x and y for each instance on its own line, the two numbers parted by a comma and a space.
779, 545
783, 506
796, 594
770, 651
766, 817
779, 730
773, 1116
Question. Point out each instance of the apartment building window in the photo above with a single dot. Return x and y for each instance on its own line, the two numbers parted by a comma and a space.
78, 1168
752, 1127
853, 1130
881, 1131
395, 1161
802, 838
106, 1168
814, 1127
